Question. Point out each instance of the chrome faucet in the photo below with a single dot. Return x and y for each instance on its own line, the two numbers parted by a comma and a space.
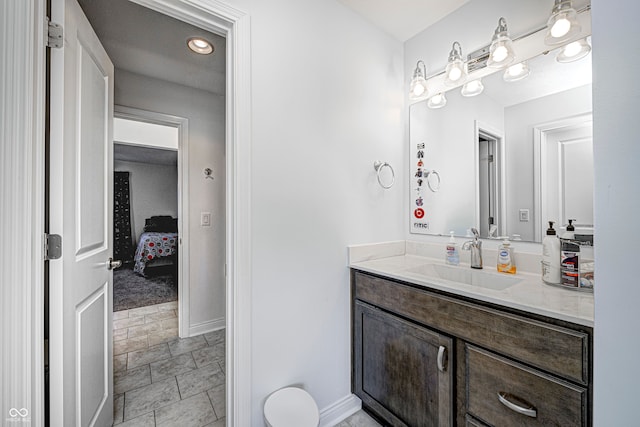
475, 246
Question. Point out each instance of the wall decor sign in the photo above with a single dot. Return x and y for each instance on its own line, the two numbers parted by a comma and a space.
419, 221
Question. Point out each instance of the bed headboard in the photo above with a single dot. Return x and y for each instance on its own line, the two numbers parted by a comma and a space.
161, 223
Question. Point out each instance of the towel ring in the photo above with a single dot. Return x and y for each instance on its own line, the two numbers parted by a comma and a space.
378, 166
431, 187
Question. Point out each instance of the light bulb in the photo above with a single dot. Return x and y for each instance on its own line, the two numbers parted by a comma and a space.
561, 27
455, 74
500, 54
572, 49
514, 70
418, 90
472, 88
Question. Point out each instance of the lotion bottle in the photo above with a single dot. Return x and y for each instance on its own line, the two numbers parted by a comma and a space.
551, 257
453, 256
506, 262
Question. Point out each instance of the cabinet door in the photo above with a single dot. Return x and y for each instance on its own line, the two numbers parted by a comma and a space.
402, 370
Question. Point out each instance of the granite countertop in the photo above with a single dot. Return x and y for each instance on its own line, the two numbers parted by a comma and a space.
529, 294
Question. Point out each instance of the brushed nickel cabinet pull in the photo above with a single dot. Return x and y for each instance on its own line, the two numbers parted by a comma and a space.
441, 358
529, 411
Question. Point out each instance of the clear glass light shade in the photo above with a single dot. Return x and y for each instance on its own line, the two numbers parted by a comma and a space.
501, 51
437, 101
574, 51
200, 45
563, 24
472, 88
418, 88
456, 70
517, 72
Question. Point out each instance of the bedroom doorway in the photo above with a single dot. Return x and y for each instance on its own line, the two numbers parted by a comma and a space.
150, 150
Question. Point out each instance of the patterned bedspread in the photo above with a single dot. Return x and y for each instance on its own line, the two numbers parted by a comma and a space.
154, 245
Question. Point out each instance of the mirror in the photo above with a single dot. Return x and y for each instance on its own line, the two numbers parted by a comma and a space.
508, 160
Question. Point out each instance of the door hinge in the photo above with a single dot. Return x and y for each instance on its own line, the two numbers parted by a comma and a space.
52, 246
55, 36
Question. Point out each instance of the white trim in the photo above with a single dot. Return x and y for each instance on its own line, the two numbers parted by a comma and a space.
234, 25
182, 124
340, 410
22, 99
539, 173
208, 326
480, 126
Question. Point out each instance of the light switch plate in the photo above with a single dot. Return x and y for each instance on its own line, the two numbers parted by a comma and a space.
205, 219
524, 215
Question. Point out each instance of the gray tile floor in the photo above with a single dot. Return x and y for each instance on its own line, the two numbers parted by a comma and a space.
163, 380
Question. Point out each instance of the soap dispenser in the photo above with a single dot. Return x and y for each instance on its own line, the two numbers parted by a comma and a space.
570, 234
551, 257
506, 262
453, 256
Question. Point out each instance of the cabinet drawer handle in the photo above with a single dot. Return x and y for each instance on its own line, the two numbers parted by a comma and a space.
441, 358
530, 411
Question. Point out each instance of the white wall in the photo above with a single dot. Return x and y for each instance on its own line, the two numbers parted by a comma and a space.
520, 120
327, 96
205, 112
616, 102
153, 191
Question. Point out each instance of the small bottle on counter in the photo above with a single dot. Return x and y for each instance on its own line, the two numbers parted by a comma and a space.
506, 261
551, 257
453, 256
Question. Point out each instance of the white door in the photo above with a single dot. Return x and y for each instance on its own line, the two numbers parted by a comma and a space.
81, 283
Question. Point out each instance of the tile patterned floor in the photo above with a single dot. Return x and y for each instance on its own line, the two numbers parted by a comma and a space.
163, 380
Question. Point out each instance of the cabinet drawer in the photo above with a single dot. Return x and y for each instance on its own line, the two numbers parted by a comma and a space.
548, 400
559, 350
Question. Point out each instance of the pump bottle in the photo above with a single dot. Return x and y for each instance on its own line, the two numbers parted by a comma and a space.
551, 257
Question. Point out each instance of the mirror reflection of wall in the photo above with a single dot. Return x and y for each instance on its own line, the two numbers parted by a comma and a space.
525, 112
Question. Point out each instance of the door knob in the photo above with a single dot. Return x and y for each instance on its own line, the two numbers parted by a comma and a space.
111, 264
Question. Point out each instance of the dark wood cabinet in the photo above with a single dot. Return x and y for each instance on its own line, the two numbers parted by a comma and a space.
402, 369
500, 367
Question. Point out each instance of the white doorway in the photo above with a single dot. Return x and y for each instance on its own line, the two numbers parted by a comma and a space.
233, 25
156, 137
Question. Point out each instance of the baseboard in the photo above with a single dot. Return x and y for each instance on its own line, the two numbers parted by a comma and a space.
208, 326
340, 410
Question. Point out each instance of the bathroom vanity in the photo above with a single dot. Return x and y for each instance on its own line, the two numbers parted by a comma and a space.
428, 351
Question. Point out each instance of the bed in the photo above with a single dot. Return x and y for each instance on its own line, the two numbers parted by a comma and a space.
157, 245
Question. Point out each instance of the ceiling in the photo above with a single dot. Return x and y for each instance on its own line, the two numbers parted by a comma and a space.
403, 19
138, 154
149, 43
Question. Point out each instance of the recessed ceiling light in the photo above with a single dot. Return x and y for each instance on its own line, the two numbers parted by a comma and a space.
200, 45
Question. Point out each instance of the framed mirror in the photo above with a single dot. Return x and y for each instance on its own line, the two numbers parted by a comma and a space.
508, 160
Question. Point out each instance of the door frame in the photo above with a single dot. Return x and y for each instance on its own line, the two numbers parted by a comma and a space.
26, 110
234, 25
182, 124
482, 128
539, 175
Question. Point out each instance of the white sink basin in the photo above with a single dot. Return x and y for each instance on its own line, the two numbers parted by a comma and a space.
466, 275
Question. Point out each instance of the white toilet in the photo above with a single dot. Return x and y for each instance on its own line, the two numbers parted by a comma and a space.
291, 407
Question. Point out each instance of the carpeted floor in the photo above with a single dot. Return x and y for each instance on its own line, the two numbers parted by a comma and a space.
131, 290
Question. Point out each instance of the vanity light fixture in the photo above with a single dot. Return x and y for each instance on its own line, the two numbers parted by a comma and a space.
574, 51
200, 45
456, 71
501, 51
563, 23
472, 88
437, 101
516, 72
418, 88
